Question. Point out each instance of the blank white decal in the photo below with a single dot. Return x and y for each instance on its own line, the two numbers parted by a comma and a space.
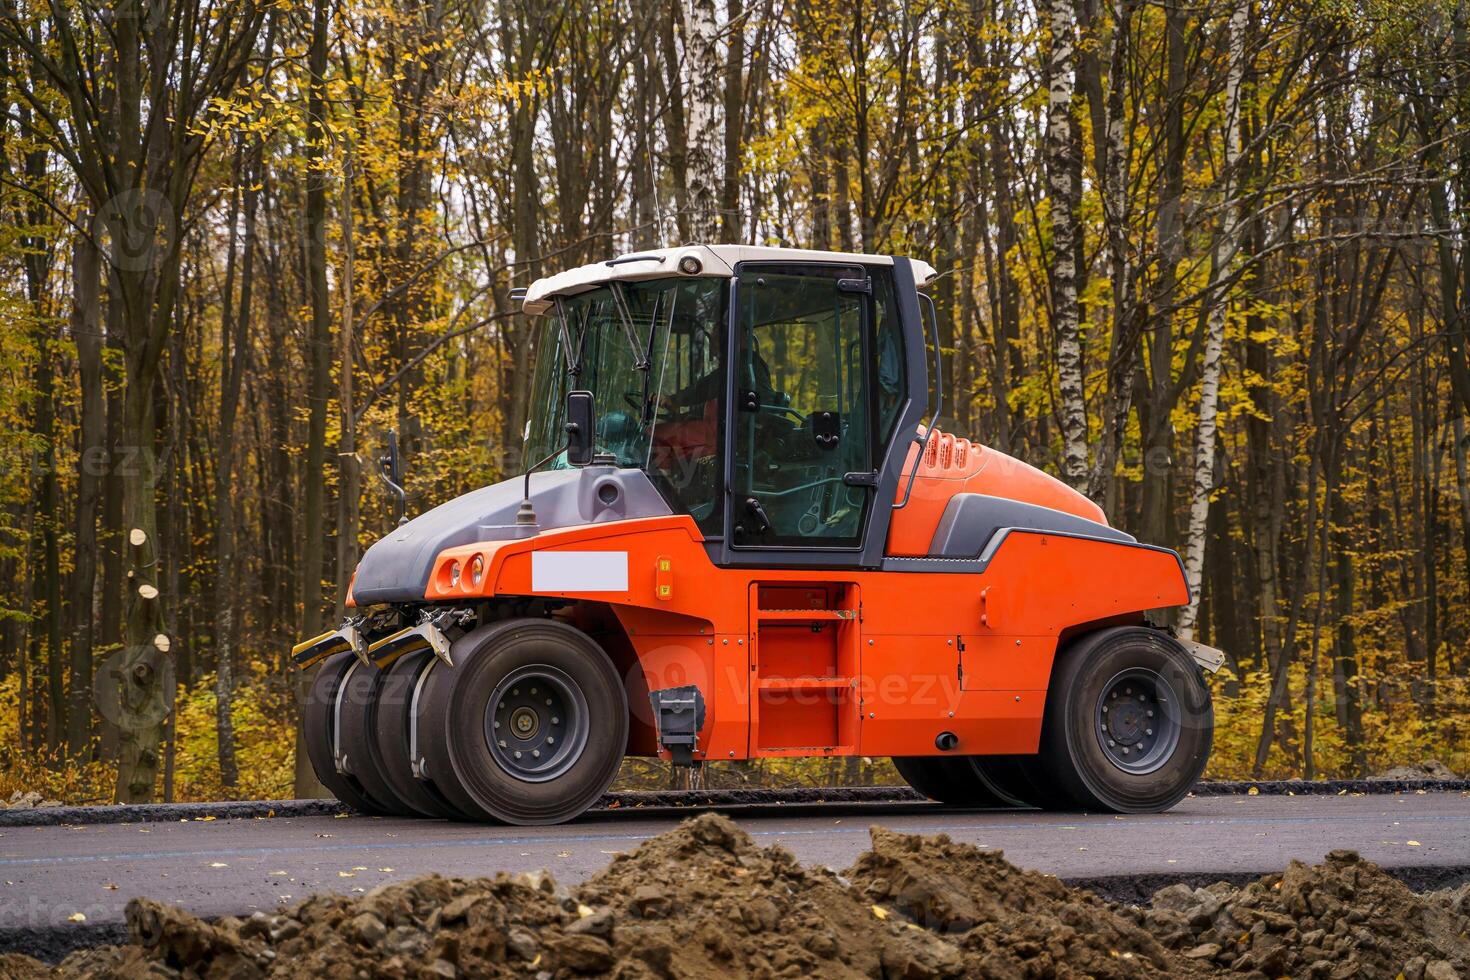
579, 571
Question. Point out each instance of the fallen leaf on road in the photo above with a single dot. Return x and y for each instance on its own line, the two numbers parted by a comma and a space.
1413, 843
386, 871
880, 911
219, 864
346, 874
76, 917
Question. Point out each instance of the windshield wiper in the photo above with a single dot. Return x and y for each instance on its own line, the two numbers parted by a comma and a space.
572, 354
640, 358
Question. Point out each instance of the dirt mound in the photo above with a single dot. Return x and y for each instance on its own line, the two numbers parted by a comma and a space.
1428, 769
703, 900
1342, 918
1006, 922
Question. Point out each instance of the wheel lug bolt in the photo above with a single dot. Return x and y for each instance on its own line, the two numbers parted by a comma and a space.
1142, 698
533, 690
1150, 712
555, 720
497, 724
1105, 709
548, 702
536, 753
550, 740
518, 753
1112, 744
500, 742
1125, 751
1148, 731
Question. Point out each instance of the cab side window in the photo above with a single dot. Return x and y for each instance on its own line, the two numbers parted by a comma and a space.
888, 350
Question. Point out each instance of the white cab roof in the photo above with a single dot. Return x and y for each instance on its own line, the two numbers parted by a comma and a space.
714, 260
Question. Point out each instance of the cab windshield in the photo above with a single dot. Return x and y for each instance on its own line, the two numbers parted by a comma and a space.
665, 418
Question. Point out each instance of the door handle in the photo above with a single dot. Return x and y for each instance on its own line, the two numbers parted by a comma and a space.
754, 509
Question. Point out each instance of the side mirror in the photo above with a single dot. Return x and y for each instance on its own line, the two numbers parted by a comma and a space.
581, 427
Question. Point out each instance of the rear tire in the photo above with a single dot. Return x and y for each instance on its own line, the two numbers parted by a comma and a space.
958, 780
1129, 721
320, 723
530, 724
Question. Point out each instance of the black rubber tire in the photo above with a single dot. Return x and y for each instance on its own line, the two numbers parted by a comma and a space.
321, 737
454, 704
957, 780
1022, 778
1072, 748
390, 723
360, 696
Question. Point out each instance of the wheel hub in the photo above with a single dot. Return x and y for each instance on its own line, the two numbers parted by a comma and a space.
1137, 720
536, 723
524, 723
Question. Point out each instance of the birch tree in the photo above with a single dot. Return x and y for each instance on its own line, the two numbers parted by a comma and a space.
704, 101
1227, 243
1062, 182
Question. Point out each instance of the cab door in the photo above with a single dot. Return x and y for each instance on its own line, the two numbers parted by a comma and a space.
802, 428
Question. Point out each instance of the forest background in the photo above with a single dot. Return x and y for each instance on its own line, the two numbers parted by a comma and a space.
1208, 263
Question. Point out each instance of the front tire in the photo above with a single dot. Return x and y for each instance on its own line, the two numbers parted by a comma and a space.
530, 724
1129, 721
393, 724
321, 736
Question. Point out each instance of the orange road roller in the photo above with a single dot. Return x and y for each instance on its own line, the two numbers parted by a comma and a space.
739, 534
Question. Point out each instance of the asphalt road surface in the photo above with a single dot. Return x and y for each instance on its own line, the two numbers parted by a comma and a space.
213, 867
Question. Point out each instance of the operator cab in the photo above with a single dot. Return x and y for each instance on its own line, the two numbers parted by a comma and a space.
762, 390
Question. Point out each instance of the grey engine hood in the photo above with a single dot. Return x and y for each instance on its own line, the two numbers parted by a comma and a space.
397, 567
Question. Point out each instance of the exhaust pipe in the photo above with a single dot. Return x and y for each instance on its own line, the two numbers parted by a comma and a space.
411, 639
319, 648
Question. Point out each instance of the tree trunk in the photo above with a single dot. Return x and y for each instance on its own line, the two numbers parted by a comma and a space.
1065, 229
704, 68
319, 335
347, 461
86, 329
1226, 245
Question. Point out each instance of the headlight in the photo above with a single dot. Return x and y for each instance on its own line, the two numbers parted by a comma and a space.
454, 570
690, 266
477, 570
